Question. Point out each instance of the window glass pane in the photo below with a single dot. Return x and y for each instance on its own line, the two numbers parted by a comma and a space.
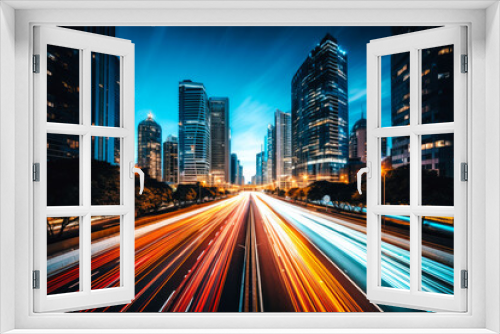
105, 252
63, 85
437, 84
437, 170
395, 171
395, 89
63, 255
395, 252
105, 174
105, 90
437, 254
63, 170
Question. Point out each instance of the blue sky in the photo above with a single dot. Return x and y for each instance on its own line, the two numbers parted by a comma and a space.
252, 66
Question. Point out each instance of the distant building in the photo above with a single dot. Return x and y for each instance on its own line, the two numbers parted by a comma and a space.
241, 177
194, 133
254, 180
264, 161
234, 169
149, 147
357, 141
320, 113
271, 154
219, 139
258, 167
171, 160
283, 148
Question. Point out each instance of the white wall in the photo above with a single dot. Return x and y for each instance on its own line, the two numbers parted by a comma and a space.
7, 185
492, 164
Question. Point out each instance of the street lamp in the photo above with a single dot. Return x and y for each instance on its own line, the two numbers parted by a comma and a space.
384, 172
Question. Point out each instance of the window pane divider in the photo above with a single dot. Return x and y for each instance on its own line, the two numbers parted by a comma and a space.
415, 251
419, 210
80, 130
108, 210
434, 129
407, 130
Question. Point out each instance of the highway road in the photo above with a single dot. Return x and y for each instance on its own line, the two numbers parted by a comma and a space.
251, 253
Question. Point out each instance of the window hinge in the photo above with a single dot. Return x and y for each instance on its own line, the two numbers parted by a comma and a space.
464, 171
36, 279
36, 172
465, 64
465, 279
36, 63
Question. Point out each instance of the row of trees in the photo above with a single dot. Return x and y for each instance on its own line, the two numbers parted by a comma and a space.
340, 192
157, 195
436, 189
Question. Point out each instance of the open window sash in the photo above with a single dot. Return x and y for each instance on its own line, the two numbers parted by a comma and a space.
416, 266
81, 48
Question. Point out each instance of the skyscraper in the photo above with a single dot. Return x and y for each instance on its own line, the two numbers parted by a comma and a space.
283, 148
171, 160
400, 107
241, 177
258, 168
105, 97
234, 169
436, 105
149, 147
320, 113
264, 161
219, 138
271, 152
194, 133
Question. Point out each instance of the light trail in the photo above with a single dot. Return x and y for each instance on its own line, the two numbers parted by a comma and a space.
310, 284
347, 247
248, 251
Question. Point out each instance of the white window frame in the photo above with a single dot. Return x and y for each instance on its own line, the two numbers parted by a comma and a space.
484, 50
86, 43
413, 44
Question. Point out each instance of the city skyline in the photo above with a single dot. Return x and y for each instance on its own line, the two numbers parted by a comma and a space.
261, 247
267, 57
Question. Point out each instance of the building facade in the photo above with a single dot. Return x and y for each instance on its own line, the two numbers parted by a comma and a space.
171, 160
194, 133
149, 147
271, 154
241, 177
320, 113
357, 141
105, 97
436, 105
283, 148
258, 168
234, 168
219, 140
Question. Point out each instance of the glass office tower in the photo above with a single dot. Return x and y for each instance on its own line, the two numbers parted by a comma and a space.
320, 114
194, 133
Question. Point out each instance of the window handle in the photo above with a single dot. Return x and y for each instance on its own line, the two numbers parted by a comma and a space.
139, 171
359, 177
